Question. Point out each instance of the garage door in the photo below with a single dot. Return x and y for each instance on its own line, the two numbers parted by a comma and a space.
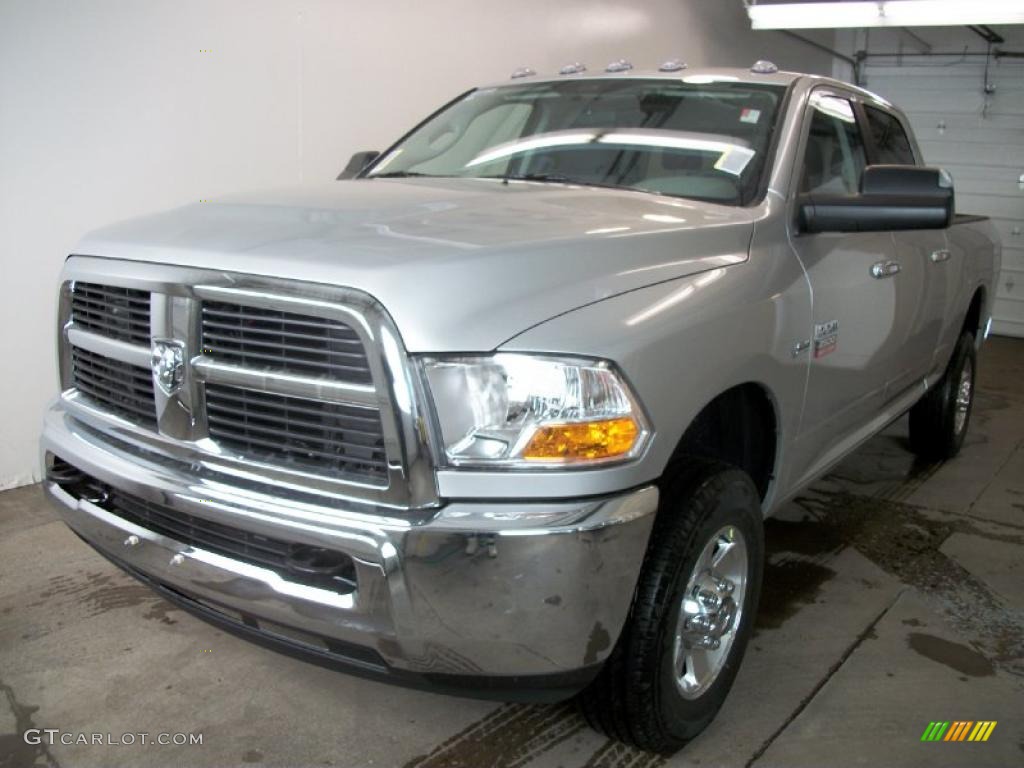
980, 140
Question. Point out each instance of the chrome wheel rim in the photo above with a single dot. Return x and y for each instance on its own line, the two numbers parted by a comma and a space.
963, 397
711, 612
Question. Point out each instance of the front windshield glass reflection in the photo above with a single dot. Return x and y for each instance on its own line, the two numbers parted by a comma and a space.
705, 140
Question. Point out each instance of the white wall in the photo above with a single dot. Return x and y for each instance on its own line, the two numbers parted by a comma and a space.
916, 40
975, 135
113, 108
941, 40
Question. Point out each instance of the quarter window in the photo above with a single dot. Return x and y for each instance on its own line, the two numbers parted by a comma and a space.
891, 142
834, 157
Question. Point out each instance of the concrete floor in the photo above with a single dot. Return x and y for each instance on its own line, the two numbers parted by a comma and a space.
893, 598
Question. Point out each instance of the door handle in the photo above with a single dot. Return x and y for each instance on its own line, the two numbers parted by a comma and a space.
883, 269
939, 255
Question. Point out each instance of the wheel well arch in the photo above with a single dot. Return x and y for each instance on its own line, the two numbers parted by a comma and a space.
972, 320
739, 426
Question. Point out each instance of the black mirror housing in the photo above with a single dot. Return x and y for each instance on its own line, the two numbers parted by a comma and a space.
891, 197
358, 163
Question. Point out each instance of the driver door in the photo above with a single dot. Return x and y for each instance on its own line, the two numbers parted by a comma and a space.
855, 336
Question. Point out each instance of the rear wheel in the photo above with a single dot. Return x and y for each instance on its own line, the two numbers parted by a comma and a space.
939, 420
692, 614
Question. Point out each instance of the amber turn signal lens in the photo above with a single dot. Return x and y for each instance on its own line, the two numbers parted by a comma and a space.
590, 440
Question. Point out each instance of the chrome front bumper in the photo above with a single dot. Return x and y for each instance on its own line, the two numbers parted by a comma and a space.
520, 592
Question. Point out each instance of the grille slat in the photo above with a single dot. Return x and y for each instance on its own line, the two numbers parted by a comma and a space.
305, 448
97, 324
370, 419
291, 360
130, 412
271, 317
102, 382
135, 379
119, 313
100, 392
198, 532
341, 442
101, 309
105, 368
253, 422
261, 338
212, 326
290, 348
124, 389
101, 302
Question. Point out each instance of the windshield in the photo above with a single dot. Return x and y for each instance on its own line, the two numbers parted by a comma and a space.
704, 140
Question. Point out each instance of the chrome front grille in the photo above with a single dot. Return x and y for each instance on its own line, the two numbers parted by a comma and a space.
307, 434
283, 379
114, 312
122, 388
257, 337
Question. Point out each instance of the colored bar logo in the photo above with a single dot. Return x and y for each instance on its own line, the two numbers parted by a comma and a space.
959, 730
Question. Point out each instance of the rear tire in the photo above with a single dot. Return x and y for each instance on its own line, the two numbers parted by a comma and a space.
700, 584
939, 420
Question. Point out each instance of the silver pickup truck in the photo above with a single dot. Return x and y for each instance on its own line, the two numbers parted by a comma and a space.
502, 413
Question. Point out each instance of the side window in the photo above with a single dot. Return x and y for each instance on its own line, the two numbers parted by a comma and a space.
834, 157
890, 139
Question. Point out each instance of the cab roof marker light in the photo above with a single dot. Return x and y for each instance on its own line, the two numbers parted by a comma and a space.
522, 72
619, 65
573, 69
764, 67
672, 65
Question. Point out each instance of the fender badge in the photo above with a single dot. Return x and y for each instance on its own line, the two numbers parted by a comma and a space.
826, 338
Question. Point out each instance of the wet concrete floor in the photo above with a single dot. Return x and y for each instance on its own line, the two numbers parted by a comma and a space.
894, 596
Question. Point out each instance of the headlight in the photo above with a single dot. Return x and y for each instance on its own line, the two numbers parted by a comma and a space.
526, 410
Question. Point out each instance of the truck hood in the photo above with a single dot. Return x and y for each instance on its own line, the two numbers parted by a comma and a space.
460, 264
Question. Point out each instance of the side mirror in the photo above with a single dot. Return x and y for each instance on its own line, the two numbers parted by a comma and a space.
358, 162
891, 197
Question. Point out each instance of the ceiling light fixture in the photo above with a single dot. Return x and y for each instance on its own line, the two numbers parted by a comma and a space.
884, 13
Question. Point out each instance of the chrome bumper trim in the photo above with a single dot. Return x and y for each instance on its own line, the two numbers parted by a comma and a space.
477, 589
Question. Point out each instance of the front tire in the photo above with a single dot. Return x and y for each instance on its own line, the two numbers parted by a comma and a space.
939, 420
692, 614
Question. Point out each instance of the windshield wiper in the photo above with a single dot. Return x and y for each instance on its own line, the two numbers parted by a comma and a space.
551, 178
559, 178
405, 175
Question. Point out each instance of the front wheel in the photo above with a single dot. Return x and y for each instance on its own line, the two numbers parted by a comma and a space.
692, 615
939, 420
